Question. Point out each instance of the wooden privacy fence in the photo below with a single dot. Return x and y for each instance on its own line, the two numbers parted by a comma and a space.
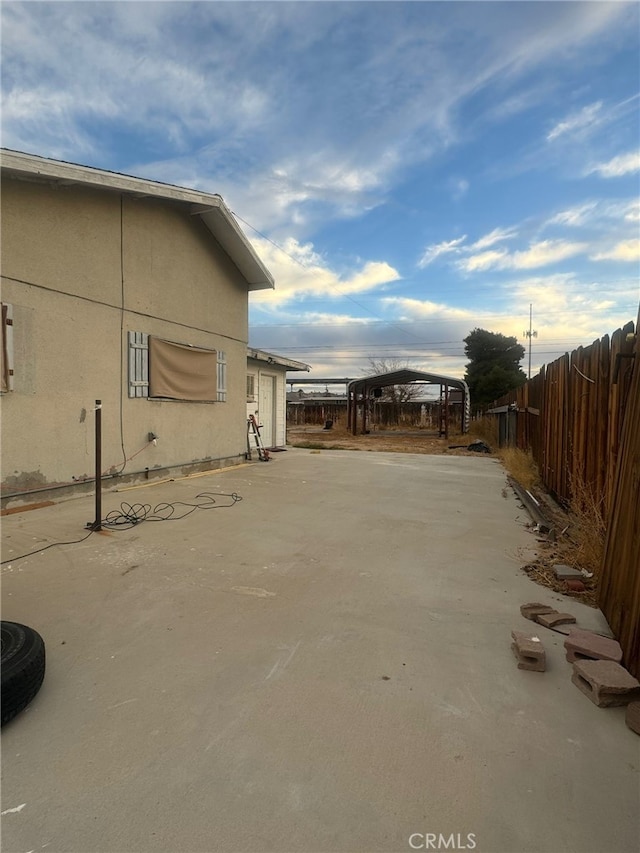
580, 418
300, 414
570, 416
409, 414
619, 590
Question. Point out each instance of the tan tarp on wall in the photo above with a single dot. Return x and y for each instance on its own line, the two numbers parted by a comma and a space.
181, 372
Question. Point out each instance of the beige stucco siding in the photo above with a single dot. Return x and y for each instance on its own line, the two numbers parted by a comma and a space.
70, 332
63, 238
174, 269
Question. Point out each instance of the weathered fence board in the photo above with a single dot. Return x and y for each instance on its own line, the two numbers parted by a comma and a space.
409, 414
619, 591
580, 418
570, 417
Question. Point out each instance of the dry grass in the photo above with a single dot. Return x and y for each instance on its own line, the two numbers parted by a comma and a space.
580, 531
485, 428
580, 536
519, 464
521, 467
396, 441
586, 529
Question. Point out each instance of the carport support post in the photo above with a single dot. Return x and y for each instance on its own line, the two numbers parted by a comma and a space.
446, 411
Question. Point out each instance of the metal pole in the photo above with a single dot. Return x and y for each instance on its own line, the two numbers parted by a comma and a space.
98, 519
446, 411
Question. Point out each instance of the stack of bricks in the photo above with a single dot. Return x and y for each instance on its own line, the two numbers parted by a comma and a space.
529, 652
597, 668
544, 615
586, 645
605, 682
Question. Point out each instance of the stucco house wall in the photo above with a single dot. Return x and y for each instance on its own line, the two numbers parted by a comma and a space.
82, 266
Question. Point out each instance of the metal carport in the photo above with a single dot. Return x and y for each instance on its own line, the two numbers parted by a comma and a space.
360, 391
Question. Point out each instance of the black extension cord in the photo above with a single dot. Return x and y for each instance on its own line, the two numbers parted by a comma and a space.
130, 515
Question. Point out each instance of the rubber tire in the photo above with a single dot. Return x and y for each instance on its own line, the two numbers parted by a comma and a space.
23, 665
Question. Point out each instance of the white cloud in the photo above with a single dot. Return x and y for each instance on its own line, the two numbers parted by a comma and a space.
627, 250
302, 272
570, 310
414, 309
544, 253
483, 261
623, 164
265, 123
602, 221
438, 249
537, 255
632, 212
576, 121
493, 237
574, 216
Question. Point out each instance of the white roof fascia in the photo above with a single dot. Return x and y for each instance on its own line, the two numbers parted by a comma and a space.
209, 206
277, 360
224, 227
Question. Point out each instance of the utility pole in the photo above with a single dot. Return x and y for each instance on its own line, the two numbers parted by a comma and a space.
530, 333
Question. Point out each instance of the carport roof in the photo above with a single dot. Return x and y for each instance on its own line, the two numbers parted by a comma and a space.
403, 377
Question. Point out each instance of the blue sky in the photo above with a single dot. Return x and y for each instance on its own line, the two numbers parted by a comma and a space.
425, 168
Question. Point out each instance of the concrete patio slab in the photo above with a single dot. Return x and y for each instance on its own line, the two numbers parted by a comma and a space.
326, 666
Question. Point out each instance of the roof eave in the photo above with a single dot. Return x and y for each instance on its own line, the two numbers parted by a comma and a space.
209, 206
224, 227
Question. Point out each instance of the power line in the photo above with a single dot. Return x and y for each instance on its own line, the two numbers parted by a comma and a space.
304, 267
400, 323
428, 355
421, 344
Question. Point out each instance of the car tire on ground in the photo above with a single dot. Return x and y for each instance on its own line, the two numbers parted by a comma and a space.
22, 666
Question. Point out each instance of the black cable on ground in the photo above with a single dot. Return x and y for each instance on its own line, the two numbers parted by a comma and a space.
129, 515
50, 545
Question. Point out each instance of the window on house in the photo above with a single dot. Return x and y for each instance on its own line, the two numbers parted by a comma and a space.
251, 388
6, 350
171, 371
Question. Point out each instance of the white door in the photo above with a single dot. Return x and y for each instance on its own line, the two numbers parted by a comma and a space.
266, 409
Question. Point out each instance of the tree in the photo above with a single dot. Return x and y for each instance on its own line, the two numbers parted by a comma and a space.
494, 365
394, 393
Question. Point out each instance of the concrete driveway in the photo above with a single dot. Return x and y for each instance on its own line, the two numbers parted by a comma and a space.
326, 666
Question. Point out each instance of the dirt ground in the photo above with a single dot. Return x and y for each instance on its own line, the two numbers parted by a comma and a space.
394, 441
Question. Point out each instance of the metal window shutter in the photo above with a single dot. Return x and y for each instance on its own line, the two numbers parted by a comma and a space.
221, 395
138, 364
